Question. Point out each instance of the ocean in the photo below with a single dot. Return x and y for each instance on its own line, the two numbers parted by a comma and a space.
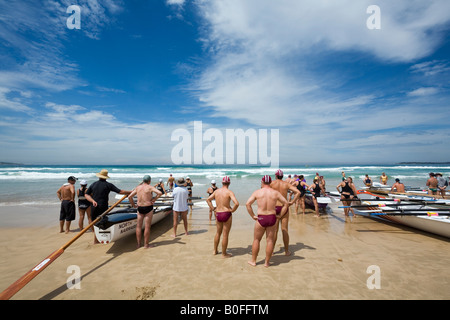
37, 184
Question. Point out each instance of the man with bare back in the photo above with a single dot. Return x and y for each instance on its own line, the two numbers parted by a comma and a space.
283, 187
145, 203
223, 213
266, 217
66, 195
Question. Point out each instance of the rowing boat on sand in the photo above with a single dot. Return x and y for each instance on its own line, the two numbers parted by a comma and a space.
121, 223
423, 216
321, 201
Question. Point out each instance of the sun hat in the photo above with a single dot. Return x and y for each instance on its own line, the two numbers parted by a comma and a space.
181, 181
266, 179
103, 174
226, 179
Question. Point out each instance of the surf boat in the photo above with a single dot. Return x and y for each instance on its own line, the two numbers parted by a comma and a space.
321, 201
422, 216
123, 222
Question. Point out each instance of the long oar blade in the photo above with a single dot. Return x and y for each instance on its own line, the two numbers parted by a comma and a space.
30, 275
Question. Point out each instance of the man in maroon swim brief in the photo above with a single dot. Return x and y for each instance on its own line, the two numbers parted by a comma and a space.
267, 220
223, 216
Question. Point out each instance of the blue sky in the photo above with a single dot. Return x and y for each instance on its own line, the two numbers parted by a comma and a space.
113, 91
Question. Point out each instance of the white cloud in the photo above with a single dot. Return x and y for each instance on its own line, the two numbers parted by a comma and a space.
425, 91
262, 50
175, 2
430, 68
73, 134
36, 31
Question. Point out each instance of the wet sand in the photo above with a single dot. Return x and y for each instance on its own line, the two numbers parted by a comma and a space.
330, 258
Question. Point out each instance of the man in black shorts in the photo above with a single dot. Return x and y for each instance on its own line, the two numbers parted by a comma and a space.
98, 195
145, 202
66, 195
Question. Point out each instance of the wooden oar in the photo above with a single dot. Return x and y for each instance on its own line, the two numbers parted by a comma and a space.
381, 205
430, 213
413, 212
30, 275
421, 195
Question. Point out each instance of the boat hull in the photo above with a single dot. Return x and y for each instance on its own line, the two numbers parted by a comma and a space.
439, 224
310, 202
122, 223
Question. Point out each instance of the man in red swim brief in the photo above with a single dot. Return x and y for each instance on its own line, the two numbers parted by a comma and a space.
266, 198
223, 197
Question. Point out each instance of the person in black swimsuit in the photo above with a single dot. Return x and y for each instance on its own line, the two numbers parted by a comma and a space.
84, 206
316, 189
367, 181
160, 186
189, 186
301, 186
348, 192
210, 191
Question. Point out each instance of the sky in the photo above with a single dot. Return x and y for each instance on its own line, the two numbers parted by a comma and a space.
340, 82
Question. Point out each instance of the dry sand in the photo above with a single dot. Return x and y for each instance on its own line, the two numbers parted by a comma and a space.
330, 258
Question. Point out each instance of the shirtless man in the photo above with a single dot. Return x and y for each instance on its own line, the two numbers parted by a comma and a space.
283, 187
170, 181
145, 203
398, 186
266, 219
223, 212
432, 184
66, 195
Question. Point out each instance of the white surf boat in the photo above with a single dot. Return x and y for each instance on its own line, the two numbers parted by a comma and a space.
423, 216
121, 223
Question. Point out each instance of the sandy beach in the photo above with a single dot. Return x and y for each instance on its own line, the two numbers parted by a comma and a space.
330, 260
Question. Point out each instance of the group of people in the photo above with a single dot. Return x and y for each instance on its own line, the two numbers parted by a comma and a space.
436, 184
271, 198
273, 201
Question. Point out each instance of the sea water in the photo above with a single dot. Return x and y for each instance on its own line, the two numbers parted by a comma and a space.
37, 184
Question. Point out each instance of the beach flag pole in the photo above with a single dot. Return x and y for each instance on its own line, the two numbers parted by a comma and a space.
30, 275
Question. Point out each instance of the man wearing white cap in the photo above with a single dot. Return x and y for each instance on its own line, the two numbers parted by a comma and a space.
223, 196
180, 205
66, 195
